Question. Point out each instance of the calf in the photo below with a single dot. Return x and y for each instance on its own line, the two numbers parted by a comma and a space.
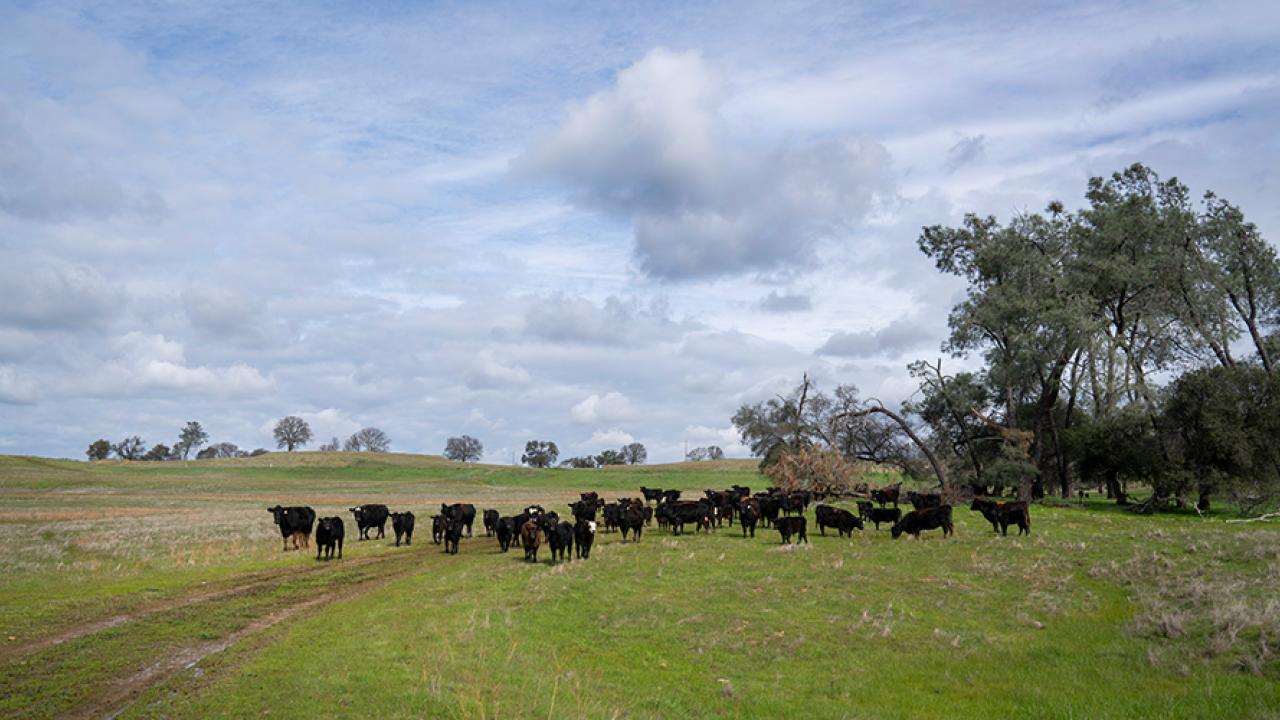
792, 526
584, 535
371, 516
490, 522
651, 494
506, 532
879, 515
747, 518
928, 519
560, 538
530, 539
402, 524
632, 520
463, 512
438, 523
1003, 514
295, 524
842, 520
612, 516
452, 534
329, 533
921, 501
864, 509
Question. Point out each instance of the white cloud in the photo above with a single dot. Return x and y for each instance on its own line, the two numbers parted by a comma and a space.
16, 389
611, 438
608, 407
487, 372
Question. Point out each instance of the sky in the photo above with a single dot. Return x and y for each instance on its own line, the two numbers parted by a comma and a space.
592, 224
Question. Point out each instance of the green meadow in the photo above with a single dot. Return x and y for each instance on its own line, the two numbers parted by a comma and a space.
160, 590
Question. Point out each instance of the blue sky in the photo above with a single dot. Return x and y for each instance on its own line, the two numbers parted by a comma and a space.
589, 224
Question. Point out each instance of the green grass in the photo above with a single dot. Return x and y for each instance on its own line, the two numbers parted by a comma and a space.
1098, 614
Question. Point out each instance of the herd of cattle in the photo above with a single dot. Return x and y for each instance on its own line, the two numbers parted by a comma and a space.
535, 525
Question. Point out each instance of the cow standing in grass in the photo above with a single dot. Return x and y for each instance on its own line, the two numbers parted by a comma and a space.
506, 533
329, 534
928, 519
402, 526
792, 526
584, 536
464, 513
295, 524
490, 522
530, 540
371, 516
748, 515
631, 520
1003, 514
452, 535
560, 539
842, 520
438, 524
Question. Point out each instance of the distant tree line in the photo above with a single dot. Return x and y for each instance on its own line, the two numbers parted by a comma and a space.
190, 438
1133, 341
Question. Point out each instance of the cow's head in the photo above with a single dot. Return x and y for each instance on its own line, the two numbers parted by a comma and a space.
896, 531
277, 512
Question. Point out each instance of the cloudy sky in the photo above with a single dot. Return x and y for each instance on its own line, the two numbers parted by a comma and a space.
589, 225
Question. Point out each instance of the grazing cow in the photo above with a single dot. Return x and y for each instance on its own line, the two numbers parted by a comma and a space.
879, 515
928, 519
452, 534
747, 517
329, 533
584, 534
371, 516
438, 524
490, 522
560, 539
651, 494
1003, 514
463, 512
681, 513
792, 526
402, 524
920, 501
887, 494
842, 520
769, 508
670, 496
530, 539
295, 524
632, 520
506, 532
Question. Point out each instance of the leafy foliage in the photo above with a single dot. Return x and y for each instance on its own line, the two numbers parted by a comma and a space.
292, 432
540, 453
463, 449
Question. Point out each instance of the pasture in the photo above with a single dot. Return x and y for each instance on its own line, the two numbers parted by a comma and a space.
160, 590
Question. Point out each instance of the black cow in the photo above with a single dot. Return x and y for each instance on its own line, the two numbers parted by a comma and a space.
879, 515
490, 521
842, 520
928, 519
438, 523
506, 532
452, 534
329, 533
748, 516
1003, 514
631, 520
583, 509
370, 516
769, 508
921, 501
560, 539
648, 515
584, 535
795, 502
402, 524
792, 526
651, 494
680, 513
887, 494
530, 539
670, 496
295, 523
463, 512
612, 516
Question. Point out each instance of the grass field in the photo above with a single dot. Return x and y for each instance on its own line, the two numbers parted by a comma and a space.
160, 590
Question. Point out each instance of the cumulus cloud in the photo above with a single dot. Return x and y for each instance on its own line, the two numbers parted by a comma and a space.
488, 373
612, 437
602, 408
16, 389
43, 293
145, 361
654, 149
892, 340
776, 302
